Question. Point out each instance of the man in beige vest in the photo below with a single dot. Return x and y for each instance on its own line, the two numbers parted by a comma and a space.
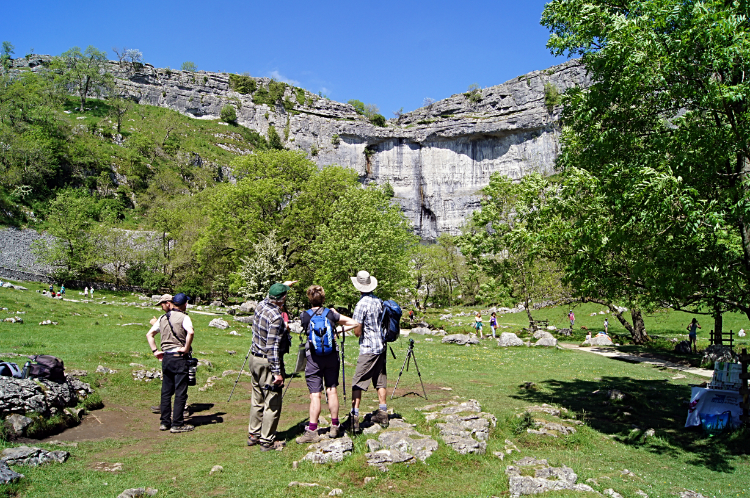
176, 332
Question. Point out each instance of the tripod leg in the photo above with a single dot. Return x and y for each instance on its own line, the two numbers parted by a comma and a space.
420, 376
408, 355
240, 374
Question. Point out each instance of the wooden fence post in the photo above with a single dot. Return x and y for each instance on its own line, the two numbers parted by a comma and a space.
744, 360
711, 339
731, 339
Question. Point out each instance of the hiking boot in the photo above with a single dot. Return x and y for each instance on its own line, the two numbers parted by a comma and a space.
253, 440
380, 417
155, 409
352, 423
308, 437
275, 446
163, 427
182, 428
334, 431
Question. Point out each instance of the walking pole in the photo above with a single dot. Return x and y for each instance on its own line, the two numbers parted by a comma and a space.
343, 367
239, 374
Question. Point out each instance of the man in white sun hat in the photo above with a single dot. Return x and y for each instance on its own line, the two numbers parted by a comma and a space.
372, 350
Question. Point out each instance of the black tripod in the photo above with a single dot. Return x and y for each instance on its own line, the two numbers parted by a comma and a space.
409, 355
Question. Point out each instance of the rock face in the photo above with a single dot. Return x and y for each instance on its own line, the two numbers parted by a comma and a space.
436, 158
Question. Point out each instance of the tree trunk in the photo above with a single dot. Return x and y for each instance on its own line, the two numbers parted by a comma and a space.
640, 336
718, 324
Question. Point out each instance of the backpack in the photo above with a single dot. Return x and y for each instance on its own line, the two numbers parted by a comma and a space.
47, 367
390, 321
320, 332
10, 370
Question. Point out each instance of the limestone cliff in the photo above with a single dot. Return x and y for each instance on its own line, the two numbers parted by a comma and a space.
436, 158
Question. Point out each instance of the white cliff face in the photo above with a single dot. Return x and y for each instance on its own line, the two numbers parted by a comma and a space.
437, 158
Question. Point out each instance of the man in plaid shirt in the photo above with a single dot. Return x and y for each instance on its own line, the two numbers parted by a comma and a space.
372, 350
267, 369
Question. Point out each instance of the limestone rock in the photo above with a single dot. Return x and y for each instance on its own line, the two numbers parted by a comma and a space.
598, 340
147, 375
330, 450
244, 319
32, 456
717, 352
218, 323
104, 370
546, 341
41, 396
382, 459
7, 475
683, 347
248, 306
137, 492
17, 423
460, 339
611, 492
565, 332
546, 478
107, 467
216, 468
691, 494
409, 441
336, 492
509, 339
542, 334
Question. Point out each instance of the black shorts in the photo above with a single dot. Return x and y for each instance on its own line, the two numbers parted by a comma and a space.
322, 370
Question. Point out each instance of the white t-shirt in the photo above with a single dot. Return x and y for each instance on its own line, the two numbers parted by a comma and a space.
187, 323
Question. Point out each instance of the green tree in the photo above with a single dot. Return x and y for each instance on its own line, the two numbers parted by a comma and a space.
365, 232
5, 56
274, 140
228, 114
358, 105
189, 66
118, 107
508, 237
663, 131
86, 72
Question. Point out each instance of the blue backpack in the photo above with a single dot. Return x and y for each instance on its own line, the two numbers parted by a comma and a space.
390, 321
8, 369
320, 332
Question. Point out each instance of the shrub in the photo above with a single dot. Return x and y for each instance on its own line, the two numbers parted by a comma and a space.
551, 96
276, 90
313, 151
474, 94
261, 97
189, 66
93, 402
378, 120
205, 80
288, 104
358, 105
335, 139
242, 83
300, 96
274, 140
228, 114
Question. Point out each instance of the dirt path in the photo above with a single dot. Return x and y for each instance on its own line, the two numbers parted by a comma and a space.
618, 355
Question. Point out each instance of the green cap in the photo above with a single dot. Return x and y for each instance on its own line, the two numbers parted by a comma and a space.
277, 290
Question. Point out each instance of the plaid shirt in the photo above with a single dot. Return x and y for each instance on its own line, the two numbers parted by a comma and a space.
367, 312
268, 330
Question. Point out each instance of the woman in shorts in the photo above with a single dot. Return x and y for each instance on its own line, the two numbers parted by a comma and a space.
693, 334
478, 324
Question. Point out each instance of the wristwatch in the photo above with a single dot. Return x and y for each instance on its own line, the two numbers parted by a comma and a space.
154, 350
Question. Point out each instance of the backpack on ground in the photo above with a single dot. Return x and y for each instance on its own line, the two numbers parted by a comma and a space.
8, 369
47, 367
390, 321
320, 332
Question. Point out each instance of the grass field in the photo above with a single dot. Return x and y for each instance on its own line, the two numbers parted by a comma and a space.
89, 334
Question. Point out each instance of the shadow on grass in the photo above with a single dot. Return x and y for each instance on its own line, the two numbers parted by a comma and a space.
214, 418
644, 404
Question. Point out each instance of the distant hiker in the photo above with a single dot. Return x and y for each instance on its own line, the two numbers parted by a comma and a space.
372, 351
176, 338
86, 292
478, 324
411, 316
91, 292
62, 290
493, 324
693, 334
322, 361
270, 343
606, 326
572, 318
51, 288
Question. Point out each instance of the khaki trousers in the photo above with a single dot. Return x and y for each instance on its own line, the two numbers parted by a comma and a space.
265, 405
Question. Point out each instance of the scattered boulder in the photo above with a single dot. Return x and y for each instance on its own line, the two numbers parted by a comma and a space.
330, 450
248, 306
147, 375
42, 396
47, 322
137, 492
382, 459
541, 334
598, 340
14, 319
546, 478
565, 332
547, 341
7, 475
508, 339
244, 319
552, 429
17, 423
107, 467
234, 332
420, 331
32, 456
611, 492
336, 492
683, 347
460, 339
218, 323
104, 370
408, 441
717, 352
216, 468
691, 494
217, 304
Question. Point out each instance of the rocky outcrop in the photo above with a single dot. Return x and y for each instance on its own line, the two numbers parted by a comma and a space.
436, 158
41, 396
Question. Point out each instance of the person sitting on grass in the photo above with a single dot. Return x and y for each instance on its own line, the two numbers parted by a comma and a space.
322, 369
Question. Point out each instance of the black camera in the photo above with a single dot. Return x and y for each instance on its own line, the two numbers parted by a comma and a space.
273, 387
192, 364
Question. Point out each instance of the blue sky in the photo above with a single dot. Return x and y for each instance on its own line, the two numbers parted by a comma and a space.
389, 53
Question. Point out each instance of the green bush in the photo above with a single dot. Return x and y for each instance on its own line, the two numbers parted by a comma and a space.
474, 94
335, 139
274, 140
242, 84
228, 114
358, 105
261, 97
378, 120
189, 66
288, 104
313, 151
276, 90
551, 96
300, 96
